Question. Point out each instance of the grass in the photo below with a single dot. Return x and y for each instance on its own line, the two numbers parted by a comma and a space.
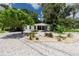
2, 31
71, 30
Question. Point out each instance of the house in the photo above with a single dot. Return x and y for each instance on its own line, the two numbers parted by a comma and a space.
37, 27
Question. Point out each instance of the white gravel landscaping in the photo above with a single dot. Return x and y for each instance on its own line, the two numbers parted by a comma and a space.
10, 45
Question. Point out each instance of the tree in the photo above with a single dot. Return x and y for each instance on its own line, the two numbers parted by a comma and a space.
75, 9
13, 18
54, 12
51, 13
33, 14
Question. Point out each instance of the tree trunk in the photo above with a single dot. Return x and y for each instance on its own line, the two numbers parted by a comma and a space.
22, 30
2, 28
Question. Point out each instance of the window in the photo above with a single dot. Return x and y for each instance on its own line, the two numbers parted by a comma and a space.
39, 27
34, 27
30, 27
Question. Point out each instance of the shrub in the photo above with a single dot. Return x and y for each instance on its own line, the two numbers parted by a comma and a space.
32, 35
60, 37
46, 34
49, 35
69, 35
60, 29
30, 38
37, 38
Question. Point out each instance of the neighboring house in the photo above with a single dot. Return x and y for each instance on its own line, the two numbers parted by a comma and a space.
37, 27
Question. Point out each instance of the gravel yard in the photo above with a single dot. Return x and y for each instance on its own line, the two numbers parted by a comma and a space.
15, 45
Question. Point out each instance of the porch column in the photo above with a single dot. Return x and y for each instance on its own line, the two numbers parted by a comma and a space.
36, 27
41, 27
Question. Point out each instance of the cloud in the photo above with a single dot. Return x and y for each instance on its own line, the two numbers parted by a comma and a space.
35, 5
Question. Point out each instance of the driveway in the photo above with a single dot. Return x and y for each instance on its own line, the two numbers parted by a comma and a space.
15, 44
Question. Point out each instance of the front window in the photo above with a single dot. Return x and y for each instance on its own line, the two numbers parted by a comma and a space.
30, 27
34, 27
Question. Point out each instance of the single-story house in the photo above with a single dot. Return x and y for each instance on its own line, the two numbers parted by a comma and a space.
38, 27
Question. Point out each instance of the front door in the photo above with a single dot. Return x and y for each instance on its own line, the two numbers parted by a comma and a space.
39, 27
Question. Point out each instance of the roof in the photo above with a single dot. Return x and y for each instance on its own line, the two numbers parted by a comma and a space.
41, 24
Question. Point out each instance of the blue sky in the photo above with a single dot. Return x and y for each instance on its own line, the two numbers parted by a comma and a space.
30, 6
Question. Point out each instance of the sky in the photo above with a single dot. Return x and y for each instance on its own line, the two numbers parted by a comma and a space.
30, 6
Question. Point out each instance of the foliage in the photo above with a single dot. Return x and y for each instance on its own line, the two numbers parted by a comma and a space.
34, 15
67, 23
49, 35
60, 28
13, 18
32, 35
51, 13
60, 38
37, 38
57, 13
69, 35
71, 30
2, 31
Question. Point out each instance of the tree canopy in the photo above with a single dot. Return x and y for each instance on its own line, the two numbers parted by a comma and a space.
13, 18
54, 12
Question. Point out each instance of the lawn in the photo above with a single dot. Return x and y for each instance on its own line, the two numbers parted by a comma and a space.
71, 30
2, 31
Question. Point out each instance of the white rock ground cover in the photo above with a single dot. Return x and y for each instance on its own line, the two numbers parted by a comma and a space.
15, 45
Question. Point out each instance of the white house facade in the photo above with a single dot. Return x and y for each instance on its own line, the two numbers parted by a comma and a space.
37, 27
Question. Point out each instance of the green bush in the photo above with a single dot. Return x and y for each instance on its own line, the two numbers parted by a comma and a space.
46, 34
71, 30
2, 31
60, 38
60, 29
69, 35
32, 35
49, 35
37, 38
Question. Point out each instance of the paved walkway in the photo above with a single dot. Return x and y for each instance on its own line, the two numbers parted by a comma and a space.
13, 44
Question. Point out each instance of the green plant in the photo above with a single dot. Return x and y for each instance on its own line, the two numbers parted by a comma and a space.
15, 19
60, 29
37, 38
49, 35
69, 35
32, 35
46, 34
60, 38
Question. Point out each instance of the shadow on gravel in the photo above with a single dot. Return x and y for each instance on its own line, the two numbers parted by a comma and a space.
15, 36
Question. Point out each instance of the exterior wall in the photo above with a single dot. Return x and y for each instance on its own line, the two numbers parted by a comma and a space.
29, 28
48, 27
34, 27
